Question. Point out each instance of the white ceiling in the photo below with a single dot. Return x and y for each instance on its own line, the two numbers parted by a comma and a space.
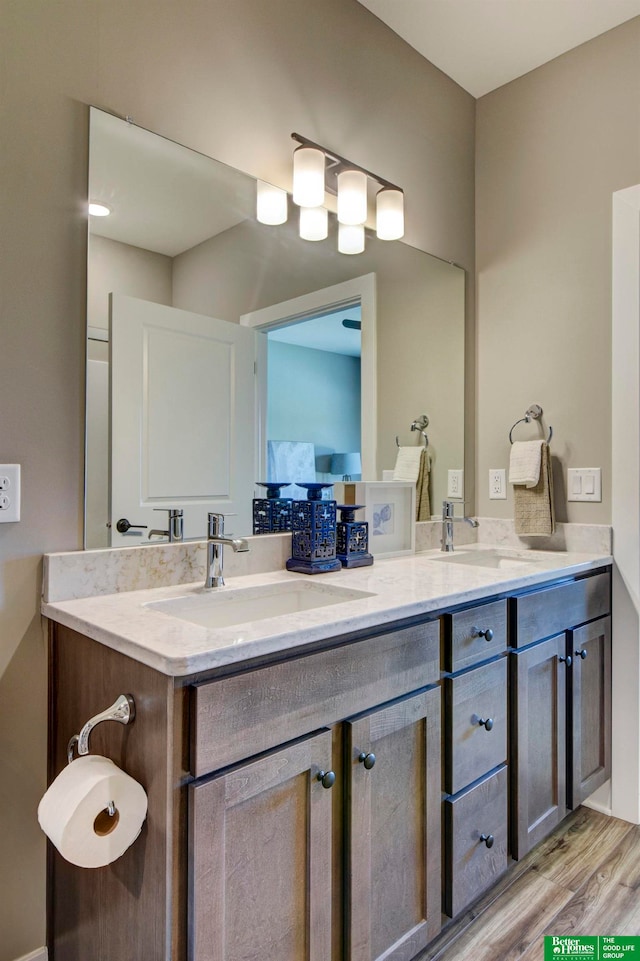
483, 44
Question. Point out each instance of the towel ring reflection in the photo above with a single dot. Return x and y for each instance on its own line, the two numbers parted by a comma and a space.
419, 425
533, 413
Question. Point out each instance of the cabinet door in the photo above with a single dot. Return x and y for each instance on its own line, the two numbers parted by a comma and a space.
538, 754
393, 844
589, 720
260, 859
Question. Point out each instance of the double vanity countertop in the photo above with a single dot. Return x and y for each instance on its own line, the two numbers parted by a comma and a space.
182, 630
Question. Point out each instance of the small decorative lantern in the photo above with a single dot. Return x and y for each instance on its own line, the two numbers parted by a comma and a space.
272, 514
352, 538
313, 538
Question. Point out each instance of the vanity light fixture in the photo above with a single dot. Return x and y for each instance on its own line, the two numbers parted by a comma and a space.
98, 210
314, 223
352, 197
308, 176
389, 214
271, 204
351, 238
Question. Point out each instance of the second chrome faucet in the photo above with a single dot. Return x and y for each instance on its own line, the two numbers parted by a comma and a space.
448, 520
215, 545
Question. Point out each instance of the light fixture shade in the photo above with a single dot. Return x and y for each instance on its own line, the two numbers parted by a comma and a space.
98, 209
350, 238
352, 197
390, 214
271, 204
314, 223
308, 177
346, 464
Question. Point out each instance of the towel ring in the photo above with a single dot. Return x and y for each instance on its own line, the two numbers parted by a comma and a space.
533, 413
419, 425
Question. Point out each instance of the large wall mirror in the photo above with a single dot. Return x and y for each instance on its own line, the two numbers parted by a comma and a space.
222, 351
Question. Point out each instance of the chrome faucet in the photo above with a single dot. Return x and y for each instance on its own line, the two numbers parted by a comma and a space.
448, 520
215, 544
175, 531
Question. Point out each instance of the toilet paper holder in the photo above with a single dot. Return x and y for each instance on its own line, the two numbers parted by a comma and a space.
122, 710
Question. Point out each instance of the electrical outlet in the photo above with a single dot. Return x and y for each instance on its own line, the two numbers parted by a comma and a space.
497, 484
9, 493
455, 483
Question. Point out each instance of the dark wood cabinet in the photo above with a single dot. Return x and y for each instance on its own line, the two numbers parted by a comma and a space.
260, 858
538, 742
589, 710
393, 837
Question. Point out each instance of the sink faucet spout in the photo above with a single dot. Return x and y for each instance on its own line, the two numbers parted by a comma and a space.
215, 544
448, 520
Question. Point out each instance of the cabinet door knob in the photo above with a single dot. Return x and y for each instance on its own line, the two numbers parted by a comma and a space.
486, 723
326, 778
367, 759
568, 660
488, 839
581, 653
487, 633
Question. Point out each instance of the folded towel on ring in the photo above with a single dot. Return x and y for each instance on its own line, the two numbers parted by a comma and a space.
534, 514
524, 462
408, 464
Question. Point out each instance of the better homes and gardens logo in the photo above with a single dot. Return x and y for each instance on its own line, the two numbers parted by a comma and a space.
591, 949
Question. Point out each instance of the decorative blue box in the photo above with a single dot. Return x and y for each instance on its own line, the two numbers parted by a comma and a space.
313, 538
272, 514
352, 538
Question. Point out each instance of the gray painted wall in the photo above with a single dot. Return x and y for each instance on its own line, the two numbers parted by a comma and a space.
552, 147
232, 80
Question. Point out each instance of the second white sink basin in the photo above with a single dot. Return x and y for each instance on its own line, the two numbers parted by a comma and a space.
227, 606
496, 559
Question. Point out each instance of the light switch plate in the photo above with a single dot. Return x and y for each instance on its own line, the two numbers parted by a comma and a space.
455, 483
584, 484
9, 493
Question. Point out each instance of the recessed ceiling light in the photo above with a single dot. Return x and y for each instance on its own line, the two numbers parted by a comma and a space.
99, 210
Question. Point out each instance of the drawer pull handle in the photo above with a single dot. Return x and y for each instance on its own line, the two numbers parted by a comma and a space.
367, 759
488, 839
326, 778
486, 723
581, 653
568, 660
487, 634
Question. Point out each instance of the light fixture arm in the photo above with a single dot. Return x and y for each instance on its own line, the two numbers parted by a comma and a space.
338, 162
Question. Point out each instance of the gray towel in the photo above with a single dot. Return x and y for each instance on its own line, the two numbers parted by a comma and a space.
533, 506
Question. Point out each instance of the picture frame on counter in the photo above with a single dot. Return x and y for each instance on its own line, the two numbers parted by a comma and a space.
389, 509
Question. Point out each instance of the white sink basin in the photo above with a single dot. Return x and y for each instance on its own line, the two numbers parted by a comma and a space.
496, 559
226, 606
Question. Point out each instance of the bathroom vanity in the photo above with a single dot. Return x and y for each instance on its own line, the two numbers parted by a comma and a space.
337, 781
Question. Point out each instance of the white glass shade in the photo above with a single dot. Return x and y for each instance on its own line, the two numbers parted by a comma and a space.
98, 210
350, 238
308, 177
390, 214
352, 197
271, 204
314, 223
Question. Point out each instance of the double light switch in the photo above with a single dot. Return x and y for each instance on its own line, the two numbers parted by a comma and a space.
584, 484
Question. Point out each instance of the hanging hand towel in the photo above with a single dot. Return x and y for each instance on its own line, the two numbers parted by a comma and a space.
524, 463
408, 464
423, 505
533, 506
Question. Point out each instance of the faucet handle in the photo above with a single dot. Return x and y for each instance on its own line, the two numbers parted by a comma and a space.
215, 526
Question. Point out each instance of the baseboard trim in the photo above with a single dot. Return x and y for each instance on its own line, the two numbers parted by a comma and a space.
596, 806
41, 954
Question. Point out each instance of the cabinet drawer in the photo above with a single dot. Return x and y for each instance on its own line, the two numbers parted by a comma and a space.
473, 748
474, 635
239, 716
471, 864
554, 609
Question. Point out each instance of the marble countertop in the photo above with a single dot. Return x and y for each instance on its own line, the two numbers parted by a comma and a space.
394, 588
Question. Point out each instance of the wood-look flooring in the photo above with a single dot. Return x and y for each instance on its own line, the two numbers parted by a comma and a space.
584, 879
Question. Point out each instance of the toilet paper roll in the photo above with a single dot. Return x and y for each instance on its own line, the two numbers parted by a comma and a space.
73, 811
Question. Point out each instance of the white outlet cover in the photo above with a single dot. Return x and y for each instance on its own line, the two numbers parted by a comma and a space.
497, 484
455, 483
9, 493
